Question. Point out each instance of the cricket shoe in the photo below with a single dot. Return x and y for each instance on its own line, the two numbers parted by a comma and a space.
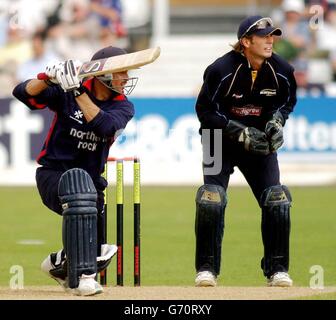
280, 279
205, 279
88, 286
54, 266
107, 251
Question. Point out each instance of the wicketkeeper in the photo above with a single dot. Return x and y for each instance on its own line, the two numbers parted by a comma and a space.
87, 117
247, 94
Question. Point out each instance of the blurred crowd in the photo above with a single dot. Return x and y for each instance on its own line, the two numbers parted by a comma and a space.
308, 41
33, 32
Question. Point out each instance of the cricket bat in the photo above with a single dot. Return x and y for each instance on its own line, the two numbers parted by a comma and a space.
115, 64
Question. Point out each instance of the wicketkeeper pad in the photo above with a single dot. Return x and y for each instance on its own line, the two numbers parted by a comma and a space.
275, 227
209, 227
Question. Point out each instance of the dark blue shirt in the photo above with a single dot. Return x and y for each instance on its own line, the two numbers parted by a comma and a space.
71, 141
228, 92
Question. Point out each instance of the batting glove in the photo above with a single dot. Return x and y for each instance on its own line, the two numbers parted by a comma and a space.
67, 76
252, 139
50, 71
274, 131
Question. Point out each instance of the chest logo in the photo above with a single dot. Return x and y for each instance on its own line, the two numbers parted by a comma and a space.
248, 110
237, 96
268, 92
77, 116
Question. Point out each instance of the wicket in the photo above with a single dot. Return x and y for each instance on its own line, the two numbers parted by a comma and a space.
120, 219
103, 274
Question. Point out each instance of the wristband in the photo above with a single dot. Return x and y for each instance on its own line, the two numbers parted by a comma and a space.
79, 91
49, 83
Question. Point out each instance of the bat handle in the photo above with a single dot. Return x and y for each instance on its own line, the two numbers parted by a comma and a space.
42, 76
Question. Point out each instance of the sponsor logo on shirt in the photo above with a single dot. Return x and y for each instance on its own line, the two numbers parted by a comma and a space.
237, 96
87, 139
268, 92
248, 110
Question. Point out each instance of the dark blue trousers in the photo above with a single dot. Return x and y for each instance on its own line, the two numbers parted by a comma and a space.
260, 172
47, 181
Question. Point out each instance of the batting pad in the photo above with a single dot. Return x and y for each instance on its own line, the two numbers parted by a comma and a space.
78, 197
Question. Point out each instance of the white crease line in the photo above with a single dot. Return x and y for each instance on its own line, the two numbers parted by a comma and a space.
35, 242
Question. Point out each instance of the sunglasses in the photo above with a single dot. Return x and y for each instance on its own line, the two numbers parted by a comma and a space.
259, 25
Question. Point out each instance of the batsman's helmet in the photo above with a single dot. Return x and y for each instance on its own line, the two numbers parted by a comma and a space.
108, 52
107, 79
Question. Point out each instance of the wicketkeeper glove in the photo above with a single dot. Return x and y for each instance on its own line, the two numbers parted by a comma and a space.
252, 139
274, 131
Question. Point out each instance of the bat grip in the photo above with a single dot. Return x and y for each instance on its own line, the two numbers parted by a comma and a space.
42, 76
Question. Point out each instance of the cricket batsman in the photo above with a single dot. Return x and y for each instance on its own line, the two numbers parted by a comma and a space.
248, 95
87, 116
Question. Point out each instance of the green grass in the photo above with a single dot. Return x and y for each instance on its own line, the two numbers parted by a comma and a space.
167, 236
